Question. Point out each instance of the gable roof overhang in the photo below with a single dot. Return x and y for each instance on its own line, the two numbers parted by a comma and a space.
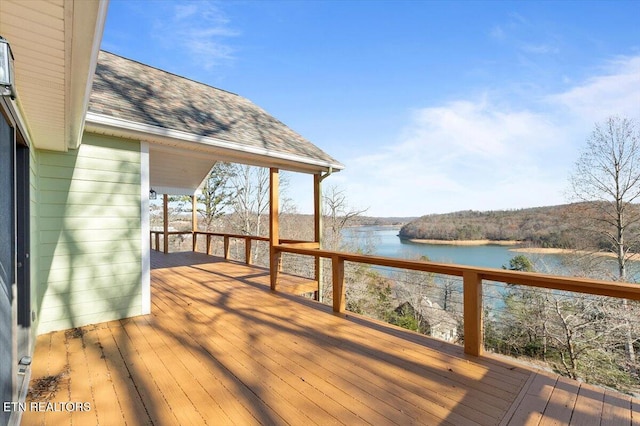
203, 146
55, 44
190, 126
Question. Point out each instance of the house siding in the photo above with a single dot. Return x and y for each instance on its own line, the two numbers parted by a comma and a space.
89, 227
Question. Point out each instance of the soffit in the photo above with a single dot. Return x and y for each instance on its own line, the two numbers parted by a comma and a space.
55, 45
177, 172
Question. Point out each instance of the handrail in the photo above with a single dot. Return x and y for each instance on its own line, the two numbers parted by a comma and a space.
227, 237
472, 284
239, 236
248, 258
532, 279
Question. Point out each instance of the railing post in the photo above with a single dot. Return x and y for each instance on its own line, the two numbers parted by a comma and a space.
195, 241
226, 247
194, 213
209, 244
317, 219
274, 225
165, 222
337, 266
247, 251
318, 276
473, 338
275, 268
157, 241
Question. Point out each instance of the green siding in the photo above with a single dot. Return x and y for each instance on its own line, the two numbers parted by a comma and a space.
89, 228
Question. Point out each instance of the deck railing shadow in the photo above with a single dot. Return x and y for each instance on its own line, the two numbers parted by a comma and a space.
282, 322
391, 367
316, 341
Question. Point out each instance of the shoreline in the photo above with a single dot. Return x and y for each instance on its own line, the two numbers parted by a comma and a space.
510, 243
540, 250
466, 242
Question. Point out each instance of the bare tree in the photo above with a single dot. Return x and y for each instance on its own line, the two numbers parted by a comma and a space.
251, 197
607, 176
338, 214
251, 201
414, 287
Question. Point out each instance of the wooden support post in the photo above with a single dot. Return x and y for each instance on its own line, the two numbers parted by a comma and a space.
274, 225
473, 339
157, 241
208, 243
165, 221
247, 251
194, 222
339, 299
274, 268
226, 247
317, 219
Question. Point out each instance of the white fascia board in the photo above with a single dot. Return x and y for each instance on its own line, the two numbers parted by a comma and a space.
132, 129
84, 59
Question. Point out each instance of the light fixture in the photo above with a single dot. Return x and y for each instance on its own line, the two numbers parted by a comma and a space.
153, 194
7, 87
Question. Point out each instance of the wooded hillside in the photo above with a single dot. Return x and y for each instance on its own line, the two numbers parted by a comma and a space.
553, 226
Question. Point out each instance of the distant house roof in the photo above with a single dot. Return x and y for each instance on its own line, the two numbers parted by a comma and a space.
170, 108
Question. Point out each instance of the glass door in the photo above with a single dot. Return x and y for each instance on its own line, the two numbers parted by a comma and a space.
7, 263
23, 263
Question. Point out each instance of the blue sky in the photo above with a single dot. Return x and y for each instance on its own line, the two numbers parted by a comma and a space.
432, 106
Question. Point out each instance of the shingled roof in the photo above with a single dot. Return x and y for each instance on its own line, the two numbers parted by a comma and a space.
130, 92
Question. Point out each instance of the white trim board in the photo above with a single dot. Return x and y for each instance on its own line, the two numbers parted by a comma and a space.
145, 229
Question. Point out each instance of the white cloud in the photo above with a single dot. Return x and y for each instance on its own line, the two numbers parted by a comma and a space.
497, 33
199, 28
528, 37
540, 49
480, 154
616, 92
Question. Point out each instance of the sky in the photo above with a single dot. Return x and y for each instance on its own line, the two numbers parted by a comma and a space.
432, 106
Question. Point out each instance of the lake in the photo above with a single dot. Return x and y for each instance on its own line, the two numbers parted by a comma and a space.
385, 242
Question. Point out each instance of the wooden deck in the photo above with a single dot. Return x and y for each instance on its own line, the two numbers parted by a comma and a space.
221, 348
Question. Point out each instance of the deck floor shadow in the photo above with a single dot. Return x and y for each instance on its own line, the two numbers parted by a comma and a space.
220, 347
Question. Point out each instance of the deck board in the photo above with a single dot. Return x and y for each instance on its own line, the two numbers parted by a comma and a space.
79, 378
122, 389
221, 348
334, 374
535, 397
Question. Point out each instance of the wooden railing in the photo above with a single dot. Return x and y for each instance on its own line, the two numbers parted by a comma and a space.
472, 278
248, 257
155, 238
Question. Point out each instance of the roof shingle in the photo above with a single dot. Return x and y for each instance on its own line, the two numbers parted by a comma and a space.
128, 90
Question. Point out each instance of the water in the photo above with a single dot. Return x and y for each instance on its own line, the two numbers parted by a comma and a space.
384, 241
387, 243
